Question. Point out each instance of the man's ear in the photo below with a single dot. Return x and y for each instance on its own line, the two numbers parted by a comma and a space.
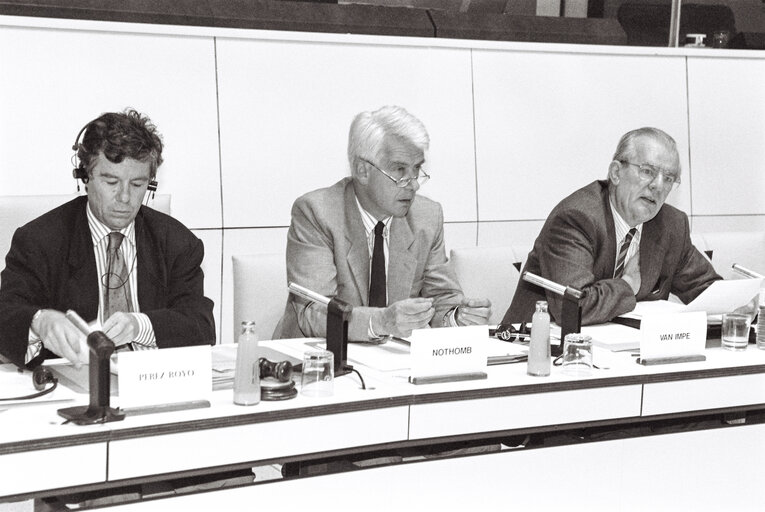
360, 171
614, 172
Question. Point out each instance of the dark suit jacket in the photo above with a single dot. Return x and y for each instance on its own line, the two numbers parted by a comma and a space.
577, 247
327, 252
51, 265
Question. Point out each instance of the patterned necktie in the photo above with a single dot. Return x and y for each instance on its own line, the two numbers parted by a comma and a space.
377, 292
619, 270
117, 297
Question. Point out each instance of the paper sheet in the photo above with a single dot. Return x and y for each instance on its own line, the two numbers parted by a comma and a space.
721, 297
613, 336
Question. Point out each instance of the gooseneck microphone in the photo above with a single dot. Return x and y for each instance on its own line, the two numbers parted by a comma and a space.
571, 310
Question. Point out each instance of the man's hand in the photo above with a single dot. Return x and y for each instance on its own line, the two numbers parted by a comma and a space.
121, 328
402, 317
474, 312
632, 273
749, 309
60, 336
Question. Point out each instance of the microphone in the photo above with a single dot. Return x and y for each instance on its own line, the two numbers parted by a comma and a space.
571, 310
746, 272
338, 312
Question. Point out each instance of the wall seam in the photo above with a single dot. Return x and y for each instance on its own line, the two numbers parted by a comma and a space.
475, 150
688, 124
220, 180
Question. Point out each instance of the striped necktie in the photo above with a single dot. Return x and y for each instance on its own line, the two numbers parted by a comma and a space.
620, 261
117, 296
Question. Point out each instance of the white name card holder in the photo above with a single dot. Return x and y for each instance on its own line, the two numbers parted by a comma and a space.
673, 338
448, 354
164, 380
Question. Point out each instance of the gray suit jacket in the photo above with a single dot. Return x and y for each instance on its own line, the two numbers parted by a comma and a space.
577, 247
327, 252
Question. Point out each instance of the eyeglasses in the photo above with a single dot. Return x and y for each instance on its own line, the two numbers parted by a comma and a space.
648, 173
421, 178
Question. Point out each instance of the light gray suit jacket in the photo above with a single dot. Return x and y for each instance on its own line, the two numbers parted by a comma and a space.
577, 247
327, 252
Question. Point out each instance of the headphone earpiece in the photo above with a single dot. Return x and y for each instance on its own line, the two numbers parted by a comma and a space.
79, 172
42, 376
281, 371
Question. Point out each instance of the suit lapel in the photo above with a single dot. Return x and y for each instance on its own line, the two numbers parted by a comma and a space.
358, 250
651, 256
82, 281
150, 276
401, 262
611, 243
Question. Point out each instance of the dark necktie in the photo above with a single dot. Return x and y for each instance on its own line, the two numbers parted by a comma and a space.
619, 270
116, 280
377, 292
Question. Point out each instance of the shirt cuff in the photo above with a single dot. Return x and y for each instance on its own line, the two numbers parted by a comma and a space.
34, 343
450, 318
145, 337
371, 332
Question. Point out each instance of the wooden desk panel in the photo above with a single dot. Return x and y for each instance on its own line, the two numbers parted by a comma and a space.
519, 411
703, 394
244, 443
47, 469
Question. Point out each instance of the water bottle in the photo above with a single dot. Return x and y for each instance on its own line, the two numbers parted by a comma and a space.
247, 375
539, 346
761, 321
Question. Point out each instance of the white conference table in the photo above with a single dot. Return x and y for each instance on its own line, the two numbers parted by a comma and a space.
394, 414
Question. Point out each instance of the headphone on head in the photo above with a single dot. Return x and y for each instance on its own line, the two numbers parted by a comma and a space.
81, 173
41, 376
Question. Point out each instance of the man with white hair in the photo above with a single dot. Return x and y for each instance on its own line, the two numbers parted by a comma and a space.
374, 243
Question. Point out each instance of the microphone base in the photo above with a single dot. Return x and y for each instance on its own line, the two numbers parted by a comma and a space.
87, 415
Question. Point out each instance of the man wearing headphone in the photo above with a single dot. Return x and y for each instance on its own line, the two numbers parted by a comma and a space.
106, 256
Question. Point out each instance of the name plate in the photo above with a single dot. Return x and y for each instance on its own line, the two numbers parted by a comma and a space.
673, 335
448, 353
166, 376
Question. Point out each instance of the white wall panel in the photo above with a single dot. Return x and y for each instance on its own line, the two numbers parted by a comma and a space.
458, 235
728, 223
548, 124
55, 81
727, 114
285, 110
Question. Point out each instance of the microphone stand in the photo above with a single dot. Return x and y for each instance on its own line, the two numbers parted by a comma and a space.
338, 313
101, 348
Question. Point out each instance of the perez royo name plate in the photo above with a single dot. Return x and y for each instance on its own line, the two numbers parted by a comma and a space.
166, 376
448, 354
673, 337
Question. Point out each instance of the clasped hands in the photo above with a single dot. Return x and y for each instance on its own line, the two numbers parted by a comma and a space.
402, 317
61, 337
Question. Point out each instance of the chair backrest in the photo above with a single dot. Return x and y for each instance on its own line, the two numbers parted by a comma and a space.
260, 291
747, 248
487, 272
15, 211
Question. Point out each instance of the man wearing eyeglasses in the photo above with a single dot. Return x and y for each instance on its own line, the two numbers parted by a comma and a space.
374, 243
616, 239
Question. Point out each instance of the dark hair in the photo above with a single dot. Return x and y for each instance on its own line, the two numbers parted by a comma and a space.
121, 135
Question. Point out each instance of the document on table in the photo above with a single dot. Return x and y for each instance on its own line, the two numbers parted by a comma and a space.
721, 297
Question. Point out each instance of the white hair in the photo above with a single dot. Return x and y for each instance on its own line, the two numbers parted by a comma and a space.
368, 130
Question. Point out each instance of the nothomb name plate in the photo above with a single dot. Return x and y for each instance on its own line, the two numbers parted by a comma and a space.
449, 351
169, 375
